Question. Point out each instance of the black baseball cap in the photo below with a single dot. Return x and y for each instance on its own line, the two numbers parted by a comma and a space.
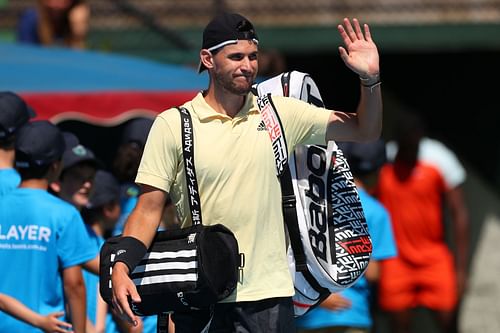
225, 29
77, 154
137, 131
70, 139
38, 143
105, 189
14, 112
364, 158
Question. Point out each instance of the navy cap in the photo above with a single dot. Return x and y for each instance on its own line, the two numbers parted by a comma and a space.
105, 189
225, 29
38, 143
364, 158
137, 131
78, 154
70, 139
14, 112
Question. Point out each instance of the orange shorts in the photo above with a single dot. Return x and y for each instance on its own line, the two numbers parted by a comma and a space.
404, 286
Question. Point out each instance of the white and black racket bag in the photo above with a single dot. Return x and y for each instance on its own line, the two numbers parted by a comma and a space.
330, 246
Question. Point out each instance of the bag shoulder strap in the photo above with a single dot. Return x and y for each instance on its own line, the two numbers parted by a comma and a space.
274, 127
271, 120
189, 168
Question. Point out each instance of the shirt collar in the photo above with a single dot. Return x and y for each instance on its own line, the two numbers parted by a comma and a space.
205, 111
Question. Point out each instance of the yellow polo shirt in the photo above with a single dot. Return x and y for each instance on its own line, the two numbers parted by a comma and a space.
237, 180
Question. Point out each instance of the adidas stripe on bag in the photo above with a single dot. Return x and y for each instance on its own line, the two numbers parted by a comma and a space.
172, 265
330, 246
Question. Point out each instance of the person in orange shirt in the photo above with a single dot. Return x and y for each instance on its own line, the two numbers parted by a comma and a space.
422, 174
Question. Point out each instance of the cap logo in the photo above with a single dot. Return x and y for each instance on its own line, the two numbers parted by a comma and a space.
79, 150
132, 192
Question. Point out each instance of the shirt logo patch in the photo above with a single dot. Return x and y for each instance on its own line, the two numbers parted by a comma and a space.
262, 126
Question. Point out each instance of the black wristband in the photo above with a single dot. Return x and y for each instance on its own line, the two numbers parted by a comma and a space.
130, 251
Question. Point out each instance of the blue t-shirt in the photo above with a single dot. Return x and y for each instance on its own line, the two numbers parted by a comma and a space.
9, 180
92, 280
379, 226
40, 236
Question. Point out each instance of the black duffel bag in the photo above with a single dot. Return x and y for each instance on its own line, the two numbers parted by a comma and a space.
184, 269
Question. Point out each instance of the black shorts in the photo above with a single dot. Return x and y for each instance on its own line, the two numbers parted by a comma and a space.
273, 315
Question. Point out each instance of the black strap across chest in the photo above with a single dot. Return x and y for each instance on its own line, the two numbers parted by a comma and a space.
189, 167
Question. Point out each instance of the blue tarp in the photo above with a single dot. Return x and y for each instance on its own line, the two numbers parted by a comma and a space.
26, 68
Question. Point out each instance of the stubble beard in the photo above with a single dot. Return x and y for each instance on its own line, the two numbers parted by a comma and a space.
230, 86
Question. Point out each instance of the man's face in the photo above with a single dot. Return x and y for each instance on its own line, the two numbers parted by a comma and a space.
236, 66
76, 184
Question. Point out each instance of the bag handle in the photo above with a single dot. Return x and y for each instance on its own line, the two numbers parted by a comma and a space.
189, 169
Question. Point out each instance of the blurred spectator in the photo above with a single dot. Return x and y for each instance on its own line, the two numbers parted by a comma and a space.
79, 166
14, 113
412, 187
43, 239
103, 208
74, 185
349, 311
125, 165
100, 216
271, 63
126, 162
55, 22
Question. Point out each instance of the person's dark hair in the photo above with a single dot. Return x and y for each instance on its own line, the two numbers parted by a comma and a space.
126, 161
8, 143
90, 215
39, 172
409, 121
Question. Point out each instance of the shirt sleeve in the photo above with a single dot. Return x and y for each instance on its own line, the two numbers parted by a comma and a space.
444, 159
159, 161
74, 245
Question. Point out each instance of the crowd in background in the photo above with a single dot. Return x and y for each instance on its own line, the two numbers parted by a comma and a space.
93, 202
51, 183
59, 202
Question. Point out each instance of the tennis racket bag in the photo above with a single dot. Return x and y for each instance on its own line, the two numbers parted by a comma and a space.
330, 246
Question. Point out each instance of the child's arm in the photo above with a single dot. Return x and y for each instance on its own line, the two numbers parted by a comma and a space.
48, 323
